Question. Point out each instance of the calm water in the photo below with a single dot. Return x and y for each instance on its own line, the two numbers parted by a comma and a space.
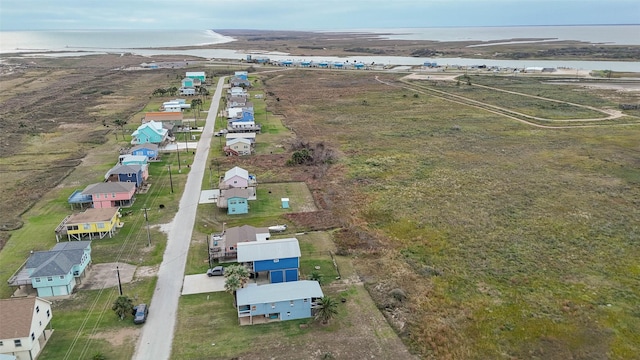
98, 40
603, 34
140, 42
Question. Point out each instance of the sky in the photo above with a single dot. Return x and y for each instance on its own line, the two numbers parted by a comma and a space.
308, 14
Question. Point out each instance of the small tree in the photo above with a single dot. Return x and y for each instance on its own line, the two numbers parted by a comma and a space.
326, 310
122, 306
316, 276
238, 271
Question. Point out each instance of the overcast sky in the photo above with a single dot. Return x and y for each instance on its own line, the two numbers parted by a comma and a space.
308, 14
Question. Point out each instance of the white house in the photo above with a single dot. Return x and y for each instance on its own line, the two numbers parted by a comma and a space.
23, 330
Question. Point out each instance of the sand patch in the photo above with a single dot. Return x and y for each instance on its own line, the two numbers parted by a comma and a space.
118, 337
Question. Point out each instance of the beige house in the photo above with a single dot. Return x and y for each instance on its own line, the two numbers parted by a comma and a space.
23, 326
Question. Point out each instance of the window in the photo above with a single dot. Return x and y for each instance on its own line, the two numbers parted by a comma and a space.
105, 195
61, 277
40, 323
86, 226
276, 260
288, 313
17, 343
273, 305
113, 195
100, 225
33, 336
49, 278
305, 300
1, 344
253, 308
37, 309
37, 279
291, 303
48, 313
97, 196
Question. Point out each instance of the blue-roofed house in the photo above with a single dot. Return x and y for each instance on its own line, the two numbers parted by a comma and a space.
187, 83
359, 66
57, 271
279, 258
259, 304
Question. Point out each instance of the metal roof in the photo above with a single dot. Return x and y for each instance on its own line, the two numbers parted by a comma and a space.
236, 171
268, 250
271, 293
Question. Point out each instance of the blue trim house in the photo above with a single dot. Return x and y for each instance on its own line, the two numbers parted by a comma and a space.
277, 302
57, 271
148, 150
280, 258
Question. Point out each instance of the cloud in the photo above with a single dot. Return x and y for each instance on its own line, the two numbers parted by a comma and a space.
306, 14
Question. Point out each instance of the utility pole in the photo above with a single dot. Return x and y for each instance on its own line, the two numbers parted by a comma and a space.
146, 217
119, 283
178, 152
170, 178
209, 250
210, 183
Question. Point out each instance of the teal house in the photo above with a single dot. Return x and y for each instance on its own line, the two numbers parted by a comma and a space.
151, 132
200, 75
187, 83
57, 271
237, 201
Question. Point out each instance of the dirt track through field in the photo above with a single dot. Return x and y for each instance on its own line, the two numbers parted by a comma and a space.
612, 114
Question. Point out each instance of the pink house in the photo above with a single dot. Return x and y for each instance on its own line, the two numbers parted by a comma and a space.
236, 177
111, 194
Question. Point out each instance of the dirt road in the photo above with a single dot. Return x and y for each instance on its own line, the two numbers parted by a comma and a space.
157, 334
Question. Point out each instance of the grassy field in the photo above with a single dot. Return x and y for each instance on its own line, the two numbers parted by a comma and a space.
509, 240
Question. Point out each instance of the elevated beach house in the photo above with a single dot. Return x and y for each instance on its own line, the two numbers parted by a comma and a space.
148, 150
151, 132
55, 272
111, 194
259, 304
224, 245
90, 224
235, 200
279, 258
135, 174
23, 331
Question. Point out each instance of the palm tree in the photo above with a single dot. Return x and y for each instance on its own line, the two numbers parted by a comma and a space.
120, 124
326, 310
236, 277
122, 306
238, 271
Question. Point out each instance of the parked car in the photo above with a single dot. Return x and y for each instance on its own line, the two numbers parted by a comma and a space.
140, 314
216, 271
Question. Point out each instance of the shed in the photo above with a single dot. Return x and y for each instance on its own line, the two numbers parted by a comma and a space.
285, 203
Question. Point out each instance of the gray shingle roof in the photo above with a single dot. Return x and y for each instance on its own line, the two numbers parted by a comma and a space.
57, 262
108, 187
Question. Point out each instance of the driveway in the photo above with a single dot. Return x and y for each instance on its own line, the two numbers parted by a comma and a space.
201, 283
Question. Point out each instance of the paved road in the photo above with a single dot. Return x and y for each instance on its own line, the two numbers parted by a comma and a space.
157, 334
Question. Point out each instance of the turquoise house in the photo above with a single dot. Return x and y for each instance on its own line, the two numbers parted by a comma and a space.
187, 83
57, 271
200, 75
237, 201
277, 302
151, 132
